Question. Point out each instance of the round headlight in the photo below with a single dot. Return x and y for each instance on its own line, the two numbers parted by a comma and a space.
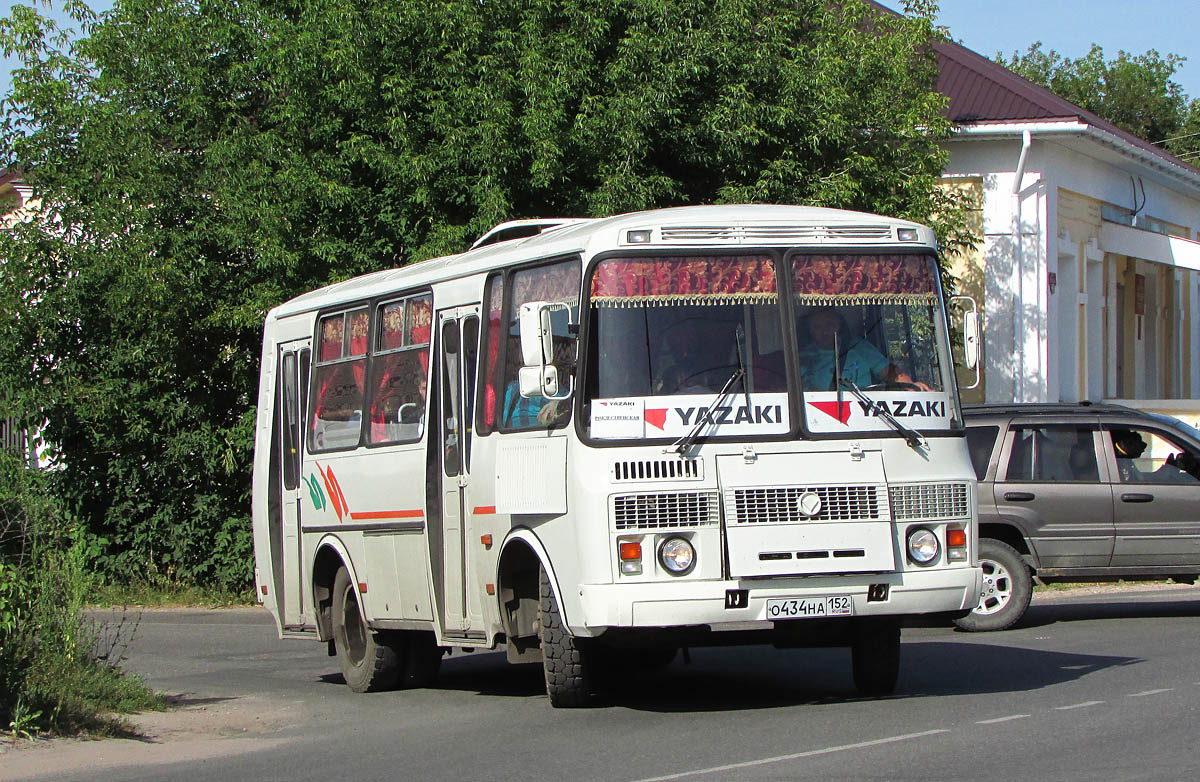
677, 555
923, 546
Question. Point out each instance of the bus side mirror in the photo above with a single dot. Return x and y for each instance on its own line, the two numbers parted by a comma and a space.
971, 339
970, 331
539, 376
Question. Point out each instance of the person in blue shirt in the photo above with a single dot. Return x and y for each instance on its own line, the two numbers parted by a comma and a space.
861, 363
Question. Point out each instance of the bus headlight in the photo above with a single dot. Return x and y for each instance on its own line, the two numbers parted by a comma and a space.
677, 555
923, 546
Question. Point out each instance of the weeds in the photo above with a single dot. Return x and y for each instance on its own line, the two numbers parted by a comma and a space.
59, 672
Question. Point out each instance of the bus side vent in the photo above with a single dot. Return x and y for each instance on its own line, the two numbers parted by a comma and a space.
659, 470
738, 234
667, 510
929, 501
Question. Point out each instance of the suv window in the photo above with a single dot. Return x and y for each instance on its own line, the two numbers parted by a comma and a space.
1144, 456
1052, 453
980, 441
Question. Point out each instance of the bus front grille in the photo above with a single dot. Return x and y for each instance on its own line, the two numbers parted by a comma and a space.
929, 501
665, 510
782, 504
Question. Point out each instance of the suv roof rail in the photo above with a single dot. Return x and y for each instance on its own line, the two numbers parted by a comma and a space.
1046, 408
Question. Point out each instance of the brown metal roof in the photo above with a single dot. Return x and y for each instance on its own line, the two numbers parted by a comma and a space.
980, 90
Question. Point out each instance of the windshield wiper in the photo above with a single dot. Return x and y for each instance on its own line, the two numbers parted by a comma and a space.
915, 439
683, 443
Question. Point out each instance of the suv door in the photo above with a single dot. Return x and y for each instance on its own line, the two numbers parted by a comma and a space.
1156, 501
1049, 483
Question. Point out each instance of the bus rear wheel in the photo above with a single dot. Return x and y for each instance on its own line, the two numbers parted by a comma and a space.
369, 662
565, 658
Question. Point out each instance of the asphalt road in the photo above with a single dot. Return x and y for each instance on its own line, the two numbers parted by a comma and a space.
1088, 687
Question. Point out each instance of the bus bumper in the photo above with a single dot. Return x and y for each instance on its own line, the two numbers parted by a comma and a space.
685, 603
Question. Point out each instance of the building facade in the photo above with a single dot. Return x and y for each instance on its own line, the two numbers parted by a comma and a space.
1088, 276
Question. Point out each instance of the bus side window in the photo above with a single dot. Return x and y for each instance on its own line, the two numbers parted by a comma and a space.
493, 333
340, 377
552, 282
399, 369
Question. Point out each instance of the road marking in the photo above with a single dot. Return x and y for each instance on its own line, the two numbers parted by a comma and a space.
1083, 705
1149, 692
1001, 719
796, 755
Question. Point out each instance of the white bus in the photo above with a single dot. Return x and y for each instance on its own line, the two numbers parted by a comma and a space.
614, 439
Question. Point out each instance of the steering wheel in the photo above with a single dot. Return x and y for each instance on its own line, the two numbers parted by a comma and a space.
895, 385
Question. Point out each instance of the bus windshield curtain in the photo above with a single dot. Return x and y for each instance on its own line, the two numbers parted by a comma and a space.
648, 282
864, 279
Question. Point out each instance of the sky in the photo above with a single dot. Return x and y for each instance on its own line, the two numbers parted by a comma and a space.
1069, 27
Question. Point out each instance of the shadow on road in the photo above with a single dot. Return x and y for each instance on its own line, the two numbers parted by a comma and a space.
741, 678
1079, 610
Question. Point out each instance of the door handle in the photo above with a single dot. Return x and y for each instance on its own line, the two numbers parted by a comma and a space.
1137, 497
1019, 496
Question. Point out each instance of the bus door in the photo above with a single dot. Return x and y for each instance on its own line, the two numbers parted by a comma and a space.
457, 352
287, 544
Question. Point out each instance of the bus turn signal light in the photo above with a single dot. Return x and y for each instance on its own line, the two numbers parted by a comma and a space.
956, 544
630, 554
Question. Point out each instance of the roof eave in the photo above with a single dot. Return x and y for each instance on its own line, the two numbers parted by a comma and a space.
1072, 126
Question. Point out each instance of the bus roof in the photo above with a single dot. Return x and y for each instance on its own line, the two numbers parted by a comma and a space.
684, 227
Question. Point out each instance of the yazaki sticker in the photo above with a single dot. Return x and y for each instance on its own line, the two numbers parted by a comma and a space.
675, 416
825, 412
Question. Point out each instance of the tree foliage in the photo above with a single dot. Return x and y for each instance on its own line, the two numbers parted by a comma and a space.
1134, 92
200, 161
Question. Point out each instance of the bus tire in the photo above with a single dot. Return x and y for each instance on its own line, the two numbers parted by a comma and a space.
369, 660
423, 659
1007, 589
875, 658
564, 657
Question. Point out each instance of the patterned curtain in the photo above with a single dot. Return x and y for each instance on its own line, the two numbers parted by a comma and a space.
864, 279
643, 282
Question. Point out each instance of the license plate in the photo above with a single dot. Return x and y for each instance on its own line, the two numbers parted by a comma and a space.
810, 607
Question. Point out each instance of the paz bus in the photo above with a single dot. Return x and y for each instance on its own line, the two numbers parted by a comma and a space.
593, 443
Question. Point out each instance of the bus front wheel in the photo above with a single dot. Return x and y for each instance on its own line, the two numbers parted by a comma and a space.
565, 659
369, 663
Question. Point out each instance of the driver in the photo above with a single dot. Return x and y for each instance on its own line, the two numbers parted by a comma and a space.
861, 363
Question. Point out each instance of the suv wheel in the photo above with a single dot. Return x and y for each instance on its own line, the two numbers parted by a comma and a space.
1007, 588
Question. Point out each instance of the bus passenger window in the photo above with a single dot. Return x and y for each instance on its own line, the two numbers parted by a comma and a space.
399, 368
339, 378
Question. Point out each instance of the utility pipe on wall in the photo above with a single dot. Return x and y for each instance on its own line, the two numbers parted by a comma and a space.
1018, 270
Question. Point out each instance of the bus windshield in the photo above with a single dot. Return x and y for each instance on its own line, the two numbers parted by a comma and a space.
668, 334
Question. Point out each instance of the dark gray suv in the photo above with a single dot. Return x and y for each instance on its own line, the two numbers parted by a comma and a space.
1080, 492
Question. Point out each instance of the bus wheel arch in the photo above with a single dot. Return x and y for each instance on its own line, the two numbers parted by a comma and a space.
518, 570
328, 560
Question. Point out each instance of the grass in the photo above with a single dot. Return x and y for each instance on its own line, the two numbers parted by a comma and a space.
162, 593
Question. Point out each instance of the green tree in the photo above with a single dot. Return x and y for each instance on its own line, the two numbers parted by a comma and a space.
203, 160
1134, 92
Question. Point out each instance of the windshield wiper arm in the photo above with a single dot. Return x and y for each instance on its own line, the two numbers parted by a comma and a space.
683, 443
915, 439
739, 336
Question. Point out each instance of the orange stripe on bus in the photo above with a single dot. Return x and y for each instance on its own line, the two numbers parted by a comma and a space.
484, 510
388, 514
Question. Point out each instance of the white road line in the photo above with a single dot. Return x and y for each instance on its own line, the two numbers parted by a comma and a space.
1083, 705
1001, 719
1149, 692
796, 755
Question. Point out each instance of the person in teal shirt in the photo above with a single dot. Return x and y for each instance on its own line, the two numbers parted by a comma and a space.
861, 363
